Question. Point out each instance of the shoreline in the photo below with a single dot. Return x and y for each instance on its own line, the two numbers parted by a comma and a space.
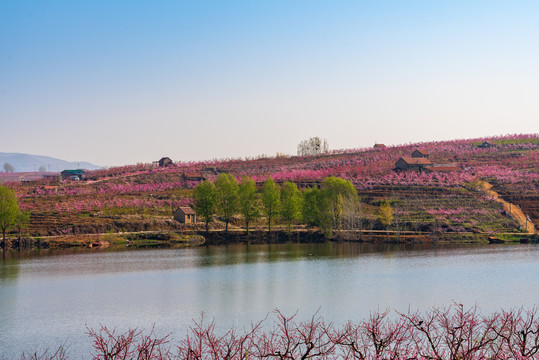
191, 238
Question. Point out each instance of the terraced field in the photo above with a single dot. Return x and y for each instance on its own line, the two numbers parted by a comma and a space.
143, 197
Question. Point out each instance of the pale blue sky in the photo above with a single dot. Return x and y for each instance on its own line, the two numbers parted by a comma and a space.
121, 82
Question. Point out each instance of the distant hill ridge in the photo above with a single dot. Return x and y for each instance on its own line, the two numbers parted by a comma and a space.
28, 163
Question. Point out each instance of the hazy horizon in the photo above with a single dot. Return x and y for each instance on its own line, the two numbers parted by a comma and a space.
116, 83
56, 167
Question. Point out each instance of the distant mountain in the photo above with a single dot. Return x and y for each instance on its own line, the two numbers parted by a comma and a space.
27, 162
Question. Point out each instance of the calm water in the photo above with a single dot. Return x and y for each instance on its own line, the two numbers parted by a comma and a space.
48, 300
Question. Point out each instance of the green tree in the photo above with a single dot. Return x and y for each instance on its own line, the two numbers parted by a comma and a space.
205, 201
290, 203
386, 213
271, 201
249, 201
9, 208
338, 193
315, 209
351, 217
310, 210
227, 197
21, 222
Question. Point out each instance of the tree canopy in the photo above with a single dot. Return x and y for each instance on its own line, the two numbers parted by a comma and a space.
249, 201
338, 193
9, 210
205, 201
290, 203
227, 197
270, 201
8, 167
386, 213
313, 146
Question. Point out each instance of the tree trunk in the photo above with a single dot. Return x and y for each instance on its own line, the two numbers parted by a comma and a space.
247, 227
226, 227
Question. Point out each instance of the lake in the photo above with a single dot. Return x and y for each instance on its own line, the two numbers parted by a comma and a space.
48, 298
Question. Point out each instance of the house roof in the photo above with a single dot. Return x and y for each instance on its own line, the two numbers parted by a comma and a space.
379, 146
74, 172
443, 168
187, 210
416, 161
193, 175
421, 151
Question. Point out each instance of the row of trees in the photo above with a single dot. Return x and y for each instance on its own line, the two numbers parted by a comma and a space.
11, 216
334, 205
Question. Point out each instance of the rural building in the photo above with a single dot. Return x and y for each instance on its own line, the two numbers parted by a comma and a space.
486, 145
439, 168
212, 170
31, 177
51, 177
194, 176
379, 146
418, 153
415, 164
73, 174
165, 161
185, 215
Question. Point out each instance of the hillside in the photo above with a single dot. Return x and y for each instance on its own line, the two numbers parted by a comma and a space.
28, 163
449, 199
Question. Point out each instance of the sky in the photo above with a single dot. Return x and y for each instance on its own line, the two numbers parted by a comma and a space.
124, 82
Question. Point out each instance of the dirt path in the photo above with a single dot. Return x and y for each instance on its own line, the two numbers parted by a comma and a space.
513, 210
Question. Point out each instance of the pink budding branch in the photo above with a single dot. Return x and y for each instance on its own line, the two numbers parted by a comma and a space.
453, 332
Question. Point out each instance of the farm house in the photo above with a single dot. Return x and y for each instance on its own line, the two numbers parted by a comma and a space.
185, 215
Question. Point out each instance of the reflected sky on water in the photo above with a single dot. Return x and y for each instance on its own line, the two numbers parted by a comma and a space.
47, 298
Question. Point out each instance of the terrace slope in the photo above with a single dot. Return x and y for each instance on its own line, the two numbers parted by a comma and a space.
425, 201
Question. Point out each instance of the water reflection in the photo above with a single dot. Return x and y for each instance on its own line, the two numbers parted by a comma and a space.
47, 297
9, 267
72, 262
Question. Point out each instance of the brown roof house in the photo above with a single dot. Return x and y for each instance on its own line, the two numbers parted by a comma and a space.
165, 161
194, 176
418, 153
185, 215
379, 146
439, 168
415, 164
486, 145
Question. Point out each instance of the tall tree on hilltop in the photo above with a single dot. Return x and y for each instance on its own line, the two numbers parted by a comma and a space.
271, 201
313, 146
8, 167
205, 201
227, 197
9, 208
249, 201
